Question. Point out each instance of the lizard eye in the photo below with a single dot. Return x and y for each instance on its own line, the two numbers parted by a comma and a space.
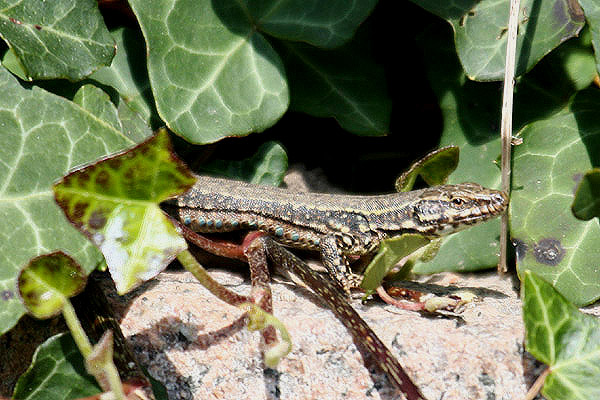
457, 201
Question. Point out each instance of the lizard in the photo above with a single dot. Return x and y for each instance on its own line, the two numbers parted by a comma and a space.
337, 226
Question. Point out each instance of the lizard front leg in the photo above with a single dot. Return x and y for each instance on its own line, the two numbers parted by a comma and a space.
336, 263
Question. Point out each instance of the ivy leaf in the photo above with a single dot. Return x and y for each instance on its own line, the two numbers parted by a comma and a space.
213, 78
576, 58
332, 84
266, 167
322, 24
434, 168
43, 136
128, 74
471, 115
48, 281
586, 204
57, 372
56, 39
391, 251
114, 202
219, 76
481, 32
472, 130
550, 241
562, 337
11, 62
592, 16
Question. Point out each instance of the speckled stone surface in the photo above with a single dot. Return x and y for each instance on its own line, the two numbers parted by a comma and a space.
198, 346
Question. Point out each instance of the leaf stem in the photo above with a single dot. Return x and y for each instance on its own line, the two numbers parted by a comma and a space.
109, 374
114, 381
81, 339
258, 319
189, 263
506, 123
537, 385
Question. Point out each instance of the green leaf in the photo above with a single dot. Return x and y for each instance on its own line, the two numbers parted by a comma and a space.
591, 9
115, 203
345, 84
471, 118
42, 137
57, 372
266, 167
481, 32
547, 167
11, 62
578, 62
323, 24
97, 103
133, 123
128, 74
56, 39
390, 252
562, 337
434, 168
586, 204
48, 281
212, 74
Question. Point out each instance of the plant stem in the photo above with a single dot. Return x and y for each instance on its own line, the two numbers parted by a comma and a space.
81, 339
114, 381
189, 263
109, 373
537, 385
506, 123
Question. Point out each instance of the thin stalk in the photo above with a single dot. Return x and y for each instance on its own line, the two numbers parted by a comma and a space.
109, 370
189, 263
537, 385
79, 336
506, 123
114, 381
258, 319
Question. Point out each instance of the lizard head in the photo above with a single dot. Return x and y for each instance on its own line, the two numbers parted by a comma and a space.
445, 209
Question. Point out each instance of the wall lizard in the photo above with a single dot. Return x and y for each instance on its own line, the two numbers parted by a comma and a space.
337, 226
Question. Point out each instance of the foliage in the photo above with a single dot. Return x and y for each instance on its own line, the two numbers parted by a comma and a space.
562, 337
547, 168
57, 363
47, 282
77, 92
115, 203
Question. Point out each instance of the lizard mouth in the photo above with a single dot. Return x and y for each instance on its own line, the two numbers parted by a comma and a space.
495, 204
